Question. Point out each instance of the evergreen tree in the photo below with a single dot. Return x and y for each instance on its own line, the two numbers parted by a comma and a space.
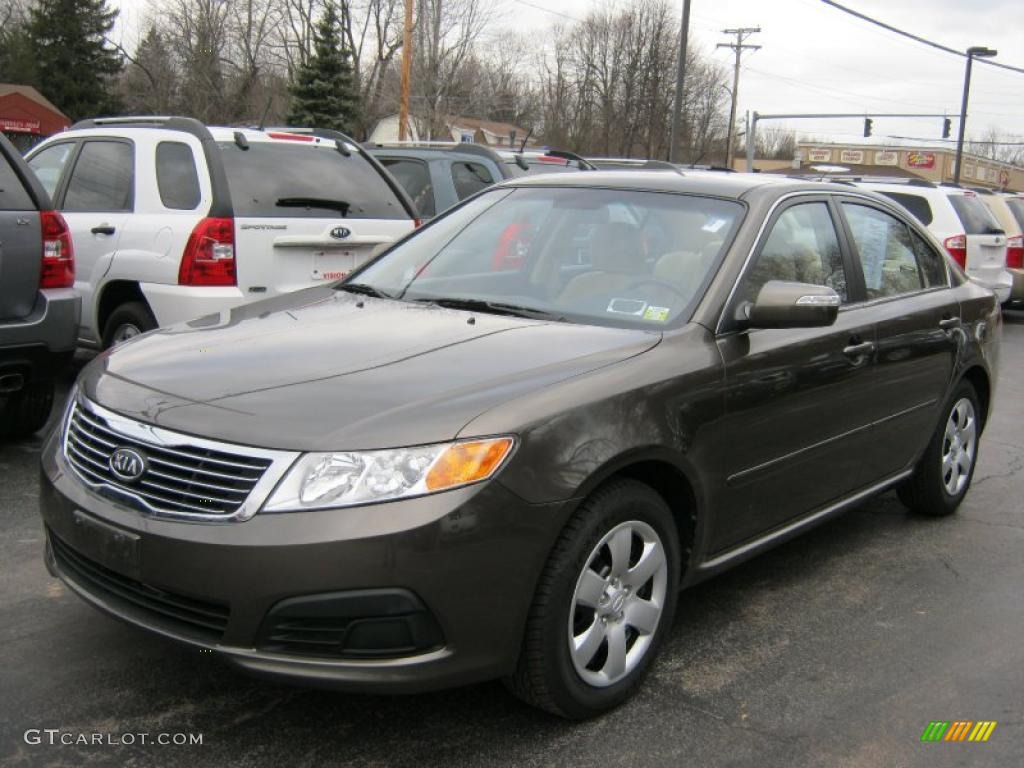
325, 93
75, 68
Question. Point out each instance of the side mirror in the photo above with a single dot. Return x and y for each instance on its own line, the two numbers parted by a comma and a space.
782, 304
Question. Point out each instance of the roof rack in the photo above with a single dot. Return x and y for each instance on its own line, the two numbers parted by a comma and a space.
167, 122
839, 178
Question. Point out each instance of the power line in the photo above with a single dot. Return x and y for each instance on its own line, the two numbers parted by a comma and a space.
547, 10
916, 38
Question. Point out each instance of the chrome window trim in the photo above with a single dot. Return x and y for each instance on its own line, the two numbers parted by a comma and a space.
833, 195
159, 437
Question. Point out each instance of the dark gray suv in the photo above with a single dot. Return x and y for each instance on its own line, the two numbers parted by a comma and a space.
38, 305
444, 470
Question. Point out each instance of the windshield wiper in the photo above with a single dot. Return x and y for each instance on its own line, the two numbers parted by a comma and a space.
341, 206
491, 307
364, 290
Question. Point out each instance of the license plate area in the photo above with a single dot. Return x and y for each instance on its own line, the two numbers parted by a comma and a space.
113, 547
333, 264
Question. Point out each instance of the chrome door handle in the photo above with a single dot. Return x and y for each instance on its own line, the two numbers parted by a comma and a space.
949, 322
858, 350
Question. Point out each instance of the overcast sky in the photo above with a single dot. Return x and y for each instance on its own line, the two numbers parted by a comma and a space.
817, 59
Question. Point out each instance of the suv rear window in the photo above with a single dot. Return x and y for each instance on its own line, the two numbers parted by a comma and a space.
13, 196
916, 204
974, 215
470, 178
278, 179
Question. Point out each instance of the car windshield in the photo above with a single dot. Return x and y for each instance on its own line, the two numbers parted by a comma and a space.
594, 256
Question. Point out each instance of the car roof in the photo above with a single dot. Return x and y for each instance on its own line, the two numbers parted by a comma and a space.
734, 185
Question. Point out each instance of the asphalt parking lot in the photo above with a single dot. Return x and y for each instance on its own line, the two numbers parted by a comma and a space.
836, 649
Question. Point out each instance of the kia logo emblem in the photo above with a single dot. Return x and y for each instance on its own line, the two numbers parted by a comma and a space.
340, 233
127, 464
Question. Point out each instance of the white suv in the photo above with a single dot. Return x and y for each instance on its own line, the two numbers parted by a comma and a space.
172, 220
963, 224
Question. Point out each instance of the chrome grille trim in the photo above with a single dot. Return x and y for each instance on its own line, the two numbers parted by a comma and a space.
178, 481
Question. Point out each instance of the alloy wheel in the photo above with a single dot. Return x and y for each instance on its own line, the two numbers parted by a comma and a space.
958, 446
617, 604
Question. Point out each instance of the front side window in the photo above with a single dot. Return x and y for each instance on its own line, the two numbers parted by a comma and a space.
885, 250
802, 247
470, 178
595, 256
49, 163
102, 178
414, 176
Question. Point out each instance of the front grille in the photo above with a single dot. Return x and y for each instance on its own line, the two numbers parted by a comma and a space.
180, 478
182, 615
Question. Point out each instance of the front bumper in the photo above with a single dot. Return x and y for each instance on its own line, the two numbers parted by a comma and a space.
471, 557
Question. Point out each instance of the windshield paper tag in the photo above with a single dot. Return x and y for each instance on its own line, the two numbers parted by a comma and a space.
657, 314
714, 225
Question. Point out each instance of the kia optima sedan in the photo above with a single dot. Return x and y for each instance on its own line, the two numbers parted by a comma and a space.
450, 468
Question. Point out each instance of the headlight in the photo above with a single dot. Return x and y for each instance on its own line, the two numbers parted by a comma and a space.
326, 480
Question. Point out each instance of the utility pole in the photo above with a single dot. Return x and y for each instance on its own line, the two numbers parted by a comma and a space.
677, 109
403, 107
742, 33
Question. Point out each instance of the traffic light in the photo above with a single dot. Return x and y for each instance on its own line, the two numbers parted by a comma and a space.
867, 126
947, 126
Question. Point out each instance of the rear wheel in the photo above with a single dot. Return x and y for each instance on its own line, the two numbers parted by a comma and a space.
603, 605
126, 322
944, 474
28, 410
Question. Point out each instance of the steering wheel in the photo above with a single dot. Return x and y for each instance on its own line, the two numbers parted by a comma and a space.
663, 283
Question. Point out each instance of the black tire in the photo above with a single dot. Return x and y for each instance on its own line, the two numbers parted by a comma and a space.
926, 491
545, 675
28, 410
134, 315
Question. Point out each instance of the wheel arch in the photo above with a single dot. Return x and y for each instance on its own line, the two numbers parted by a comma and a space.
114, 294
978, 377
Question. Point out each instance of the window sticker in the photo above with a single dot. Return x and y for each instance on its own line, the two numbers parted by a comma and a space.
657, 314
633, 307
713, 225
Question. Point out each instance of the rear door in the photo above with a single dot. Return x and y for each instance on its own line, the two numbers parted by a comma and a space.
986, 250
305, 213
917, 328
21, 243
96, 198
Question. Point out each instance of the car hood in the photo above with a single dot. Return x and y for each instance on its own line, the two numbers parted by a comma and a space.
325, 370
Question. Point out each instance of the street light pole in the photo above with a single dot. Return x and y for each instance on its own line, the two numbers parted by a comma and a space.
677, 108
978, 51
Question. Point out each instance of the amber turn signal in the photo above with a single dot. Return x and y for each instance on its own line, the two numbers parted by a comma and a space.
469, 462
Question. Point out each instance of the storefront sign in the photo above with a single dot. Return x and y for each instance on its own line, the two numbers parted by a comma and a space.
855, 156
968, 172
819, 155
19, 126
887, 157
920, 159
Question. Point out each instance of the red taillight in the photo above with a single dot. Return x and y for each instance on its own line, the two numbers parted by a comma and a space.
957, 247
209, 257
58, 255
1015, 252
552, 159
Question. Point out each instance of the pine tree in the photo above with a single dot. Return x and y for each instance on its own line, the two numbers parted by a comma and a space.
325, 93
75, 68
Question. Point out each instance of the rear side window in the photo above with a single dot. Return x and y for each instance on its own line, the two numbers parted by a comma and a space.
933, 266
916, 204
176, 175
298, 180
13, 196
470, 178
885, 250
974, 215
49, 163
102, 178
1016, 206
414, 176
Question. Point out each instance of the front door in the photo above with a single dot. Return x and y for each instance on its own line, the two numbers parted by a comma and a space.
795, 429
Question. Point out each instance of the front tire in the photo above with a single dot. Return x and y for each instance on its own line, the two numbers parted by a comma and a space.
603, 605
943, 476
